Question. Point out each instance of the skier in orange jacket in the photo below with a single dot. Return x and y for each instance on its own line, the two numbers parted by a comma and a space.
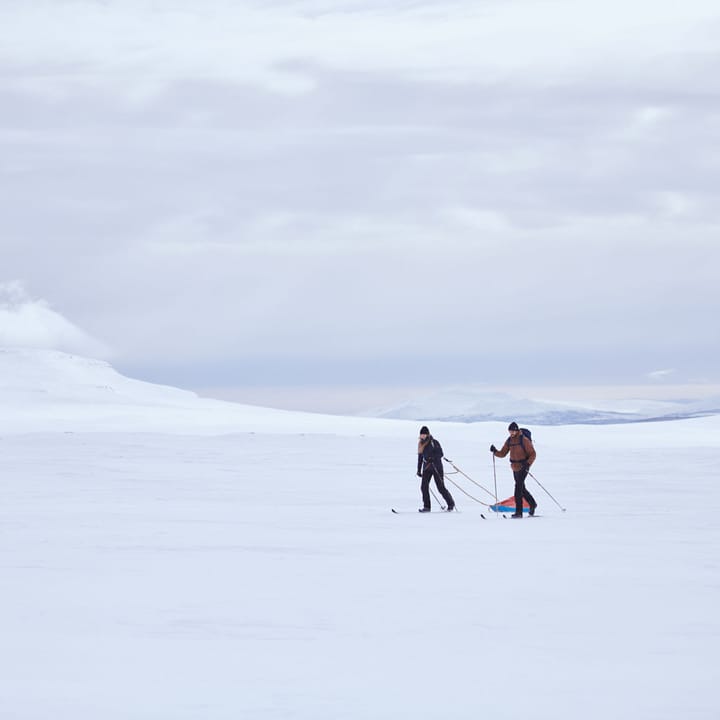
522, 456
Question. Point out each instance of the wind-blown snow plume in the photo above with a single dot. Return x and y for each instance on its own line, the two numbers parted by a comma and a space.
32, 323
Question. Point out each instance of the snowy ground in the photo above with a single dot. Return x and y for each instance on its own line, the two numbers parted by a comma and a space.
189, 575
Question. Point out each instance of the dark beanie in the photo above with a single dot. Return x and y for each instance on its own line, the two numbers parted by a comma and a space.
424, 430
513, 426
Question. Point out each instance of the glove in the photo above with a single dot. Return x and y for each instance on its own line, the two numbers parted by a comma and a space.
419, 474
493, 449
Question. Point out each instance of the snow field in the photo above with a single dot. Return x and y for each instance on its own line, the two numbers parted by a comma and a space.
263, 576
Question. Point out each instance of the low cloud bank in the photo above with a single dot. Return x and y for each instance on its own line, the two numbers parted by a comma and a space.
32, 323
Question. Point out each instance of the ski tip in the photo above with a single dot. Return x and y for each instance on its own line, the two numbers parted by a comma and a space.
394, 510
482, 516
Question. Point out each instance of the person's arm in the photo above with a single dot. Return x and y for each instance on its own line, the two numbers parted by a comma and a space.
529, 451
420, 458
503, 451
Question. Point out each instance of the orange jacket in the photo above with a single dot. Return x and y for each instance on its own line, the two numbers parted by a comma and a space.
521, 452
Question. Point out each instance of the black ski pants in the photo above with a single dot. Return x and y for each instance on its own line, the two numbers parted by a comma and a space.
428, 473
521, 491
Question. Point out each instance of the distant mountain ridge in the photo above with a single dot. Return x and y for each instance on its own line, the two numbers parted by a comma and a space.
469, 405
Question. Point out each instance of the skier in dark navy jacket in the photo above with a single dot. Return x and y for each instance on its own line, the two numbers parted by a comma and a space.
430, 455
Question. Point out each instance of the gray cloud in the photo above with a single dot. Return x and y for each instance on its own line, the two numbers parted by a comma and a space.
360, 193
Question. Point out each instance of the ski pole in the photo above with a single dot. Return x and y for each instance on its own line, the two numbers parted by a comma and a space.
432, 492
495, 479
543, 487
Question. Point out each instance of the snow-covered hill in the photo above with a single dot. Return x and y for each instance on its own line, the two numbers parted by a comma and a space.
34, 376
49, 390
469, 405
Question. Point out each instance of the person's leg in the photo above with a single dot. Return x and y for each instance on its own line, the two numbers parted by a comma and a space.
425, 486
519, 490
440, 482
530, 499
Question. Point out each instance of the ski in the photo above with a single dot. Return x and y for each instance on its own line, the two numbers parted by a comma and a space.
417, 512
432, 512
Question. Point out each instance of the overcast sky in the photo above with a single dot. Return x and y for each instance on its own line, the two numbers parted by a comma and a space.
302, 193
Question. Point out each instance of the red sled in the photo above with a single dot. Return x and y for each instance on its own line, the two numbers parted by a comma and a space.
508, 505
